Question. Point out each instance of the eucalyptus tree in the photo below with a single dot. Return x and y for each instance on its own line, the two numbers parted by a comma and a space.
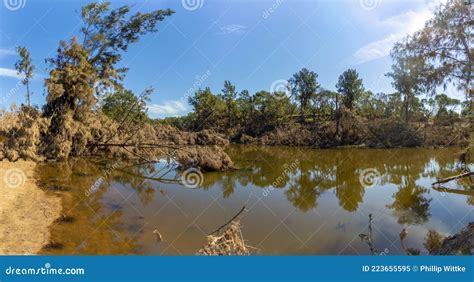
351, 88
25, 68
303, 86
407, 77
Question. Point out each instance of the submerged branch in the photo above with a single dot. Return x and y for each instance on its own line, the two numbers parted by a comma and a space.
459, 176
368, 237
229, 221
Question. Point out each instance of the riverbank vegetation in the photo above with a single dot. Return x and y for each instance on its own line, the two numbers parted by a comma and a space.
89, 111
428, 68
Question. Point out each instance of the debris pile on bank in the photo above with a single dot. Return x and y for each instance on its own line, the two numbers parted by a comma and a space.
29, 135
230, 243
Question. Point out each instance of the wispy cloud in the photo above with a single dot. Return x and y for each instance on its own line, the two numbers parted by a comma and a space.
232, 28
4, 72
7, 52
400, 25
168, 108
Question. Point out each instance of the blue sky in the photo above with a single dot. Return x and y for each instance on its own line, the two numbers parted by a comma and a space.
251, 43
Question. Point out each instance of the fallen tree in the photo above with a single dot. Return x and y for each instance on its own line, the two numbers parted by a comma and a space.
455, 177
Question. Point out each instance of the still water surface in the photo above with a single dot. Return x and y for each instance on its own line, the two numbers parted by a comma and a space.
299, 201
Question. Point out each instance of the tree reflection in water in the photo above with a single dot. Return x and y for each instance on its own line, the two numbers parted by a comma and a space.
411, 205
406, 175
320, 171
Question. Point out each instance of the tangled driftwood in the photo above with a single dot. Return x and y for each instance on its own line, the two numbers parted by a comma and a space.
231, 242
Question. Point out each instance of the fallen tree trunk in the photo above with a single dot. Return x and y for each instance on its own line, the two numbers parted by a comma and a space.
459, 176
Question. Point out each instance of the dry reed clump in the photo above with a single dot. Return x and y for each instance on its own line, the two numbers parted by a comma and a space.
436, 135
390, 134
209, 158
291, 135
25, 134
353, 129
69, 137
20, 135
350, 130
230, 243
166, 134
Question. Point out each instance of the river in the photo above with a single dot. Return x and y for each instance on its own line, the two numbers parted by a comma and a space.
298, 201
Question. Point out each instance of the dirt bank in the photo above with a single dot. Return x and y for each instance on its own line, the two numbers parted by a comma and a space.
26, 211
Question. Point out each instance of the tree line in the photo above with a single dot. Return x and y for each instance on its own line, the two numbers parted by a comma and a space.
85, 71
438, 56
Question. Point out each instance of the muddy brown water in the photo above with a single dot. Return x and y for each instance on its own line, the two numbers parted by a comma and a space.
299, 201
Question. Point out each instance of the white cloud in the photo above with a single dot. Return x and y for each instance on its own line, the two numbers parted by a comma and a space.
7, 52
168, 108
232, 28
400, 25
10, 73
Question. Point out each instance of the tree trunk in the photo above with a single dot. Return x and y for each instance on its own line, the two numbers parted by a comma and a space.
337, 115
406, 106
28, 93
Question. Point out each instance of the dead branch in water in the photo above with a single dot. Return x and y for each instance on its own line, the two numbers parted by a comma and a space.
229, 221
158, 179
368, 237
459, 176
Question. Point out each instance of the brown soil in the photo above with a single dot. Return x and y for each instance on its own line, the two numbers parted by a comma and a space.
26, 212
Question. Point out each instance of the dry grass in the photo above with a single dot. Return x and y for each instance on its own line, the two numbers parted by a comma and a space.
229, 243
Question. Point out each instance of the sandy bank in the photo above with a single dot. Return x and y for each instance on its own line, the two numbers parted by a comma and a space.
25, 210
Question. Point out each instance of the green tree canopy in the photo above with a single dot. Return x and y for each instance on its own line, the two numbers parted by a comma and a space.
108, 32
407, 77
303, 86
350, 87
124, 105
